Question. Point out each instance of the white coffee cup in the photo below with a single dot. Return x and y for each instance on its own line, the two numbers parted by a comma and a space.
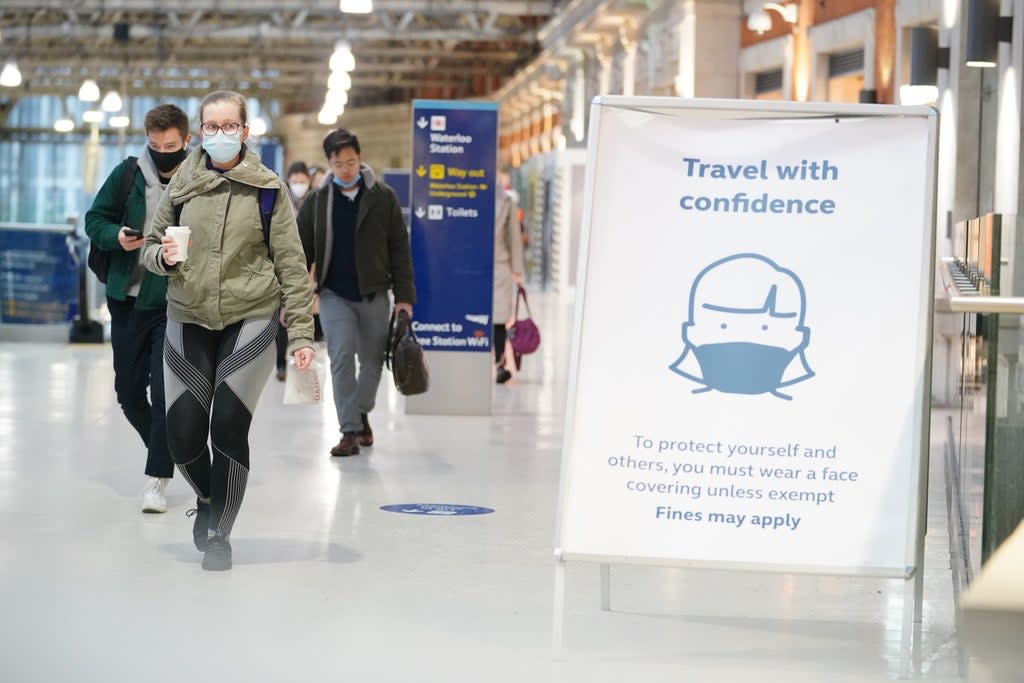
180, 234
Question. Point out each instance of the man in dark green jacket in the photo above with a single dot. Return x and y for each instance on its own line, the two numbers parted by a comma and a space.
137, 298
352, 230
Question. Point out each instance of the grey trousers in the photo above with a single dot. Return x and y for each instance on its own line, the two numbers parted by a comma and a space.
351, 329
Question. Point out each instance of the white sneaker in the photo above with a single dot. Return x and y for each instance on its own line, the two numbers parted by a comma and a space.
153, 499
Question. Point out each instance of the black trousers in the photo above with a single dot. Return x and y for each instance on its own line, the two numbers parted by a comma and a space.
137, 342
282, 348
500, 335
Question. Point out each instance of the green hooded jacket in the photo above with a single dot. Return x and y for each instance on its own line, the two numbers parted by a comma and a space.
103, 222
229, 274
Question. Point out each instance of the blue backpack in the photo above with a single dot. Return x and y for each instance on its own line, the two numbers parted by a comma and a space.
268, 197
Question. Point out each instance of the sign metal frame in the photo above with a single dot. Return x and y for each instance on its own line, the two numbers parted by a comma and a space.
912, 574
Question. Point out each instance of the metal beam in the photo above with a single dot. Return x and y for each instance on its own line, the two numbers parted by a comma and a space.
279, 45
287, 88
521, 8
148, 68
322, 34
135, 61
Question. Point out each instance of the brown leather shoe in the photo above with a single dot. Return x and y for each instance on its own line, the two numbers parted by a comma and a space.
349, 445
365, 435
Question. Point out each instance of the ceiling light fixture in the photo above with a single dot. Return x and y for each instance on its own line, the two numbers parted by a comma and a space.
92, 116
335, 99
89, 92
258, 126
339, 80
64, 125
342, 58
111, 102
985, 30
356, 6
760, 21
119, 121
10, 77
327, 117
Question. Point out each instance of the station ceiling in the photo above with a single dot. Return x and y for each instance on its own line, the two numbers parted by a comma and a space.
273, 49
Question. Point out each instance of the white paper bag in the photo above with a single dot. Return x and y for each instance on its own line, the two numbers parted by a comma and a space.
304, 387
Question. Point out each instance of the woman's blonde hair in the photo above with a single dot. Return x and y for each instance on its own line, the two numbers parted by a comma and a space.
225, 96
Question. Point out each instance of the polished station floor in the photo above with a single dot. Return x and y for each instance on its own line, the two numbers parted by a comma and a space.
327, 586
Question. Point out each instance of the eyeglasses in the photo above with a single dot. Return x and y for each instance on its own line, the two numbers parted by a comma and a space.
229, 128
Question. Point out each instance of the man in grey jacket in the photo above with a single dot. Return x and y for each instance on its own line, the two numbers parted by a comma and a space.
353, 232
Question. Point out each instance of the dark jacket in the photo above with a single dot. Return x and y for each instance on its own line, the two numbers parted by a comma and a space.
383, 259
103, 222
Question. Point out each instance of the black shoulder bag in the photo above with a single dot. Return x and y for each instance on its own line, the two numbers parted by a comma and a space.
404, 357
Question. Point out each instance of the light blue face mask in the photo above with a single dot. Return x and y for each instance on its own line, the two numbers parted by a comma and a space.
742, 367
349, 185
222, 147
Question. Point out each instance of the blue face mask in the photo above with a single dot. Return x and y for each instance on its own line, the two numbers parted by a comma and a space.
221, 147
742, 367
348, 186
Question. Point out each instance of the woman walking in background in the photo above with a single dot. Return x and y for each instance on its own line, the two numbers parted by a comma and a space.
508, 270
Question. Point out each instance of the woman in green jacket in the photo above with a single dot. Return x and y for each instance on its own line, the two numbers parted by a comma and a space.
222, 311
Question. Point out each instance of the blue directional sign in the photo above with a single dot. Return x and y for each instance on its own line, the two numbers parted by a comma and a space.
436, 509
398, 180
38, 276
453, 177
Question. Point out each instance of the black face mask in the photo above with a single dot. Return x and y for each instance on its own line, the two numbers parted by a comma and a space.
168, 161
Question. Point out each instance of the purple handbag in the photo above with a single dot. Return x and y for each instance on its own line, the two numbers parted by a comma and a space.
523, 334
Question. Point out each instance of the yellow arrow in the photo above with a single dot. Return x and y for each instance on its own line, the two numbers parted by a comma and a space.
421, 171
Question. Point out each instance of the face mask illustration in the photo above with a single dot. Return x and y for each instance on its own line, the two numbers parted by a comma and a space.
745, 333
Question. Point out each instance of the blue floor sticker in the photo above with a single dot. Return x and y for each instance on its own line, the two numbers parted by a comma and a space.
437, 509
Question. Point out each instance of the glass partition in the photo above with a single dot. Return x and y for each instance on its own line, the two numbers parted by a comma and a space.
987, 462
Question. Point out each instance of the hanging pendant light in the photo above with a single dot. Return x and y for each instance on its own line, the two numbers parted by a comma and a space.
111, 102
342, 58
326, 117
356, 6
258, 126
339, 80
10, 77
89, 92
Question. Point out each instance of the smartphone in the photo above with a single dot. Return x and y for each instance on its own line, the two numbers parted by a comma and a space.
133, 233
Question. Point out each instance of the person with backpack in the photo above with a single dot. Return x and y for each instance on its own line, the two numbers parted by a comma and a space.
136, 298
244, 260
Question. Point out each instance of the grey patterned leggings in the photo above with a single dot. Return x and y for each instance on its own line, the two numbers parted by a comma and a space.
212, 382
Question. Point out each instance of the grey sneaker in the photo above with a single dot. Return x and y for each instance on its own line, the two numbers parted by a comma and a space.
201, 512
218, 554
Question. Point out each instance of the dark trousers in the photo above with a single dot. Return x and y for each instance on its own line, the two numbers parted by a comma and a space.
282, 341
500, 335
137, 341
282, 348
